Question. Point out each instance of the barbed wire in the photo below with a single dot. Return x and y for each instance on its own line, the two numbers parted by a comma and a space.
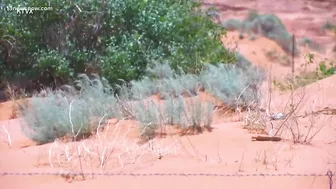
70, 176
328, 174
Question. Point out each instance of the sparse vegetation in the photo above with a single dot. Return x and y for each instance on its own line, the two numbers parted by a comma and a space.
325, 69
287, 123
273, 56
267, 25
330, 26
311, 44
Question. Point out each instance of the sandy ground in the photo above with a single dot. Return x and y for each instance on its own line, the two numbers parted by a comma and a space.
227, 149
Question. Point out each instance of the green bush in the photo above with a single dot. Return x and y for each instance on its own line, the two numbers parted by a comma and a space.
327, 69
116, 39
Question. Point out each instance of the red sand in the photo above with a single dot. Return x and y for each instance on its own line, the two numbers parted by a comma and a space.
227, 149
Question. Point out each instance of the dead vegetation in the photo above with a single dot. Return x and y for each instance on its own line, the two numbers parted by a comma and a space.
291, 122
112, 146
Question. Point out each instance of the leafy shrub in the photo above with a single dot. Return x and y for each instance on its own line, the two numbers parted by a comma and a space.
327, 68
116, 39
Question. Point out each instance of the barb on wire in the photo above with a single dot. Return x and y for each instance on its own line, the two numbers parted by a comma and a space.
166, 174
330, 175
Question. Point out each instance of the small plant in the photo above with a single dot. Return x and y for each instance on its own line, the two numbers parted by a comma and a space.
14, 95
325, 69
330, 26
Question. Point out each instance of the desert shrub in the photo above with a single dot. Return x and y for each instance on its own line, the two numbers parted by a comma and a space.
48, 115
330, 26
165, 81
178, 86
144, 88
232, 24
91, 98
242, 62
252, 15
190, 82
117, 39
304, 41
192, 115
148, 115
268, 25
271, 27
198, 114
168, 87
173, 111
160, 70
227, 81
232, 84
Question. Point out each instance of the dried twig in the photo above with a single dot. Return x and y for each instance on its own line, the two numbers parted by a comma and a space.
126, 109
9, 140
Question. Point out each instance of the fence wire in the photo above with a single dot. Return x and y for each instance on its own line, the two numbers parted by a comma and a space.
328, 174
